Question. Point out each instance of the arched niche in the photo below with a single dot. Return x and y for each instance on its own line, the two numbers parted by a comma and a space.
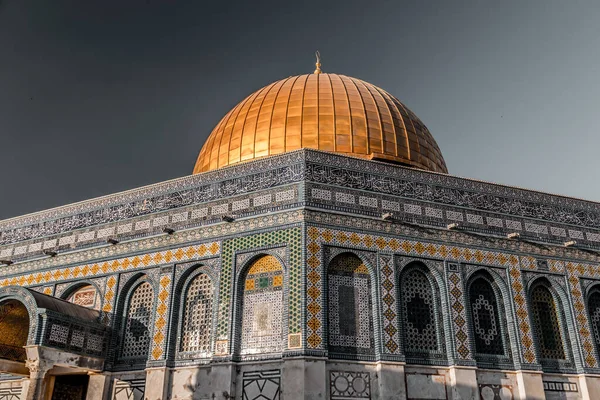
262, 322
14, 330
350, 306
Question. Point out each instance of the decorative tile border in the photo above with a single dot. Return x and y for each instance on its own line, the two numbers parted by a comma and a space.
459, 314
292, 237
391, 334
116, 265
161, 320
155, 223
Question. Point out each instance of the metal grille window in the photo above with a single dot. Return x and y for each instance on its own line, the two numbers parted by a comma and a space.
136, 336
594, 309
350, 306
418, 312
197, 317
545, 321
484, 318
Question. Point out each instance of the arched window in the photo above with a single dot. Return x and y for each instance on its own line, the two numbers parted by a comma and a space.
196, 331
546, 324
420, 316
14, 328
485, 319
85, 296
136, 332
350, 306
262, 311
594, 310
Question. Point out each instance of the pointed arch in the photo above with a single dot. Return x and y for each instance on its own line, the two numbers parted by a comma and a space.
83, 293
197, 319
421, 319
261, 314
137, 321
486, 310
550, 330
14, 325
350, 306
593, 307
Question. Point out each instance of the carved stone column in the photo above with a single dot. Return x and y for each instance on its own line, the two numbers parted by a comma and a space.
37, 375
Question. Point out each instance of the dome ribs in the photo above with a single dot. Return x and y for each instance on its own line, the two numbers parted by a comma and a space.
264, 120
326, 115
237, 128
310, 113
277, 137
344, 137
293, 122
360, 140
327, 112
403, 147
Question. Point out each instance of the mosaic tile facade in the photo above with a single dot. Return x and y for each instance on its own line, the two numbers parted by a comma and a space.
303, 301
389, 305
546, 323
197, 316
291, 238
262, 317
485, 318
350, 319
117, 265
458, 310
136, 339
420, 319
161, 318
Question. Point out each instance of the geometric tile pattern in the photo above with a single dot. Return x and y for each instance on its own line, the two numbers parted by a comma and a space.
547, 328
317, 237
109, 298
391, 335
262, 315
350, 306
292, 237
197, 317
12, 393
160, 319
522, 313
136, 335
574, 270
129, 390
459, 314
485, 321
419, 312
262, 385
116, 265
594, 310
349, 385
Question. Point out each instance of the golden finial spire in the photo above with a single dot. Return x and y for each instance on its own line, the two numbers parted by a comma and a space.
318, 63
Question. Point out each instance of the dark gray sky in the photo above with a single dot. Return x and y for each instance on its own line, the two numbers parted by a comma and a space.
102, 96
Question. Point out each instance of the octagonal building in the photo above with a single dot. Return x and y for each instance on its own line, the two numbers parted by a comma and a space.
320, 250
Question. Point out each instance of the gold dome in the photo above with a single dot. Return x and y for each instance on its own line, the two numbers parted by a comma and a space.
326, 112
